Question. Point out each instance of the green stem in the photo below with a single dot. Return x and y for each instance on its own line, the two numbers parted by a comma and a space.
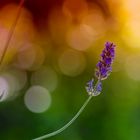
66, 125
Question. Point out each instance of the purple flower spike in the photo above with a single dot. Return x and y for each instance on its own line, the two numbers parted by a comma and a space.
103, 68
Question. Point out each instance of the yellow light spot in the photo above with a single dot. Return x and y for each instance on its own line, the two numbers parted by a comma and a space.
133, 67
72, 63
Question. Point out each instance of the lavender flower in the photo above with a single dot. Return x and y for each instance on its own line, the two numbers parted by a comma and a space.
103, 69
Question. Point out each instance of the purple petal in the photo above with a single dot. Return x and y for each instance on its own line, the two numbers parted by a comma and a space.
108, 61
99, 87
89, 86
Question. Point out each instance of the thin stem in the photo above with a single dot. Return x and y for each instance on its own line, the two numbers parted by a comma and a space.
66, 125
11, 31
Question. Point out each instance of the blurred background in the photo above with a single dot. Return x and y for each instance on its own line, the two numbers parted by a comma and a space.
52, 53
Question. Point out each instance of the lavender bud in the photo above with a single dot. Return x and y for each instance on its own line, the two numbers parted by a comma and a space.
90, 86
99, 87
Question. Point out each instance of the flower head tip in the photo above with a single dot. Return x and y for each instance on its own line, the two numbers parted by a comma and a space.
104, 66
